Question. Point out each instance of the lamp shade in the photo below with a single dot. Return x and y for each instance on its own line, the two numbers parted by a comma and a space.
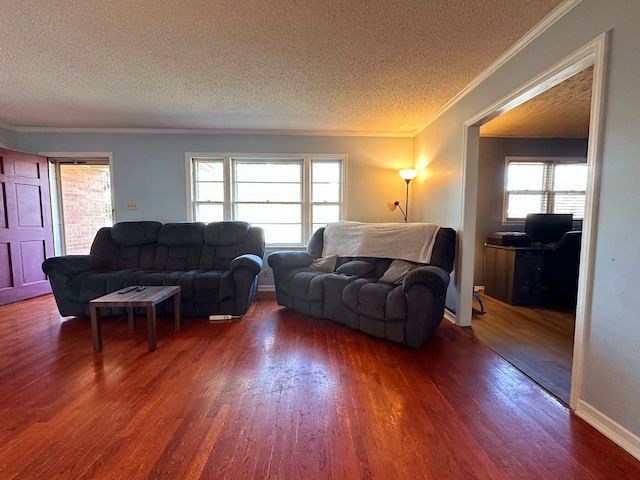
408, 174
392, 206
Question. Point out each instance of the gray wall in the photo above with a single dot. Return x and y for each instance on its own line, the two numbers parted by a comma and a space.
8, 138
611, 382
491, 180
149, 169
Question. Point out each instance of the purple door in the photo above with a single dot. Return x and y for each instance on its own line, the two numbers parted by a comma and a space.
26, 235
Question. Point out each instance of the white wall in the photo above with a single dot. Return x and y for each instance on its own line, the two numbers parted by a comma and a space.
611, 384
149, 169
8, 139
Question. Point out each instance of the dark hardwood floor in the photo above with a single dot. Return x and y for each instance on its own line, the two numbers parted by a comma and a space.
536, 339
276, 395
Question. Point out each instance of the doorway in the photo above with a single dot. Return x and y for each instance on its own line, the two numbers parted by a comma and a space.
533, 161
593, 53
82, 202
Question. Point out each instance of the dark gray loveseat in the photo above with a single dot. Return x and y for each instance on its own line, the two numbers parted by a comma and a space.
216, 265
406, 312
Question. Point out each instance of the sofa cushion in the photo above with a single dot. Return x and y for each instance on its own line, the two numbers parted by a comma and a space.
134, 256
397, 271
135, 233
379, 301
324, 264
183, 234
356, 267
307, 286
226, 233
177, 257
94, 284
210, 287
368, 298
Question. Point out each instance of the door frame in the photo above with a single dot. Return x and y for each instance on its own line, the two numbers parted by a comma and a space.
593, 53
56, 188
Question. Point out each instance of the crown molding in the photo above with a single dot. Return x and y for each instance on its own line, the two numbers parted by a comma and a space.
209, 131
560, 11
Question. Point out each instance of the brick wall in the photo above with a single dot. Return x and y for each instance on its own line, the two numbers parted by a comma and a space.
86, 204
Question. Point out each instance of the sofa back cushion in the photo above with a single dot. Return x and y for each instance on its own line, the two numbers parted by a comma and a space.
179, 247
176, 246
136, 244
227, 240
135, 233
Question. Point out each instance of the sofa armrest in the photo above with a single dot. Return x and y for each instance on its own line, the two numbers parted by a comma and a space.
434, 277
69, 265
425, 290
287, 260
248, 260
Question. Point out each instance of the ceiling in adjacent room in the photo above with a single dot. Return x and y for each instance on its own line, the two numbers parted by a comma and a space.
562, 111
369, 66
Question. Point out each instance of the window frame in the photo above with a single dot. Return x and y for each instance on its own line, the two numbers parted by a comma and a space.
229, 204
548, 177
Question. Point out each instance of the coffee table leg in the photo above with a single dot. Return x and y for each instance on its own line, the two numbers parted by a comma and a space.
176, 309
151, 328
132, 318
96, 330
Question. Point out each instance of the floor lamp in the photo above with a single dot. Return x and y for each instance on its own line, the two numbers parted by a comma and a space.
407, 175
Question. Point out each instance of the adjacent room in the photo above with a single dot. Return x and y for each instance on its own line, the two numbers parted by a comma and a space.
534, 175
327, 240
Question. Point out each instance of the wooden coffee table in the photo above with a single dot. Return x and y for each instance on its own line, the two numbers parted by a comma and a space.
147, 298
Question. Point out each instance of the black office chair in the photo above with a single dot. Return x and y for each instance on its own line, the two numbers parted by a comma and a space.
560, 269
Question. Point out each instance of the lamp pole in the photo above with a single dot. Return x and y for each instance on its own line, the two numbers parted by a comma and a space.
406, 201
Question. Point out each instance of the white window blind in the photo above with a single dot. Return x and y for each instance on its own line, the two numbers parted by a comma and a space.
544, 186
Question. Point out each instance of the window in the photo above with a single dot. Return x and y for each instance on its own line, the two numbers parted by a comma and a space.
535, 185
290, 197
208, 189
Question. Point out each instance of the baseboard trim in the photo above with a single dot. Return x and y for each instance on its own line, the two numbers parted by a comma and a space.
449, 315
266, 288
610, 429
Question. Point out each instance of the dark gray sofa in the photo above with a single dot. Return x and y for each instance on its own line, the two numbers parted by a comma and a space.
216, 265
407, 313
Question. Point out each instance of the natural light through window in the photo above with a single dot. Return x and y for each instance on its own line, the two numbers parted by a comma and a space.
269, 195
290, 197
546, 186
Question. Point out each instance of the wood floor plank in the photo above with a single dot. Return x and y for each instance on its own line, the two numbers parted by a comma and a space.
537, 339
275, 395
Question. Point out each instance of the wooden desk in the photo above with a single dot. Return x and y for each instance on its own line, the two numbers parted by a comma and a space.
513, 274
147, 298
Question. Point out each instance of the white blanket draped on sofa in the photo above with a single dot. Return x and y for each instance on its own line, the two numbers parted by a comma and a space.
406, 241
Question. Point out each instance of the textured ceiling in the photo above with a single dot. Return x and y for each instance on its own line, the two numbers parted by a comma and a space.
561, 111
371, 66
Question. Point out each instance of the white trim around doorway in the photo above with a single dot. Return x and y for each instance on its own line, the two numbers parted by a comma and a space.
56, 212
593, 53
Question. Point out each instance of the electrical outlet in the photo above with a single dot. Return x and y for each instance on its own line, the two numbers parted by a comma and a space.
132, 206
